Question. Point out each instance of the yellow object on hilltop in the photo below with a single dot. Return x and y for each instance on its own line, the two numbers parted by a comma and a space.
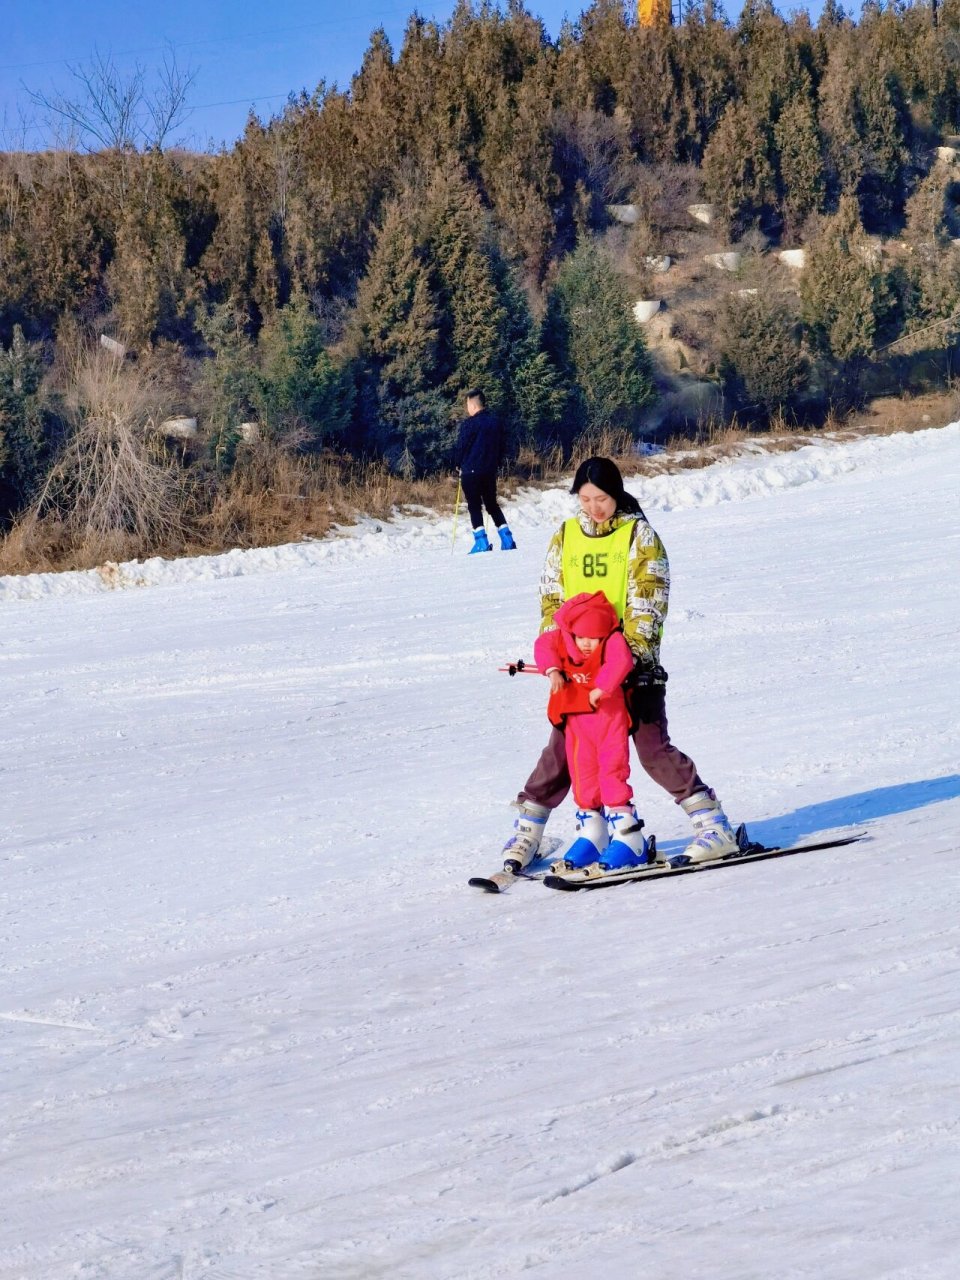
655, 13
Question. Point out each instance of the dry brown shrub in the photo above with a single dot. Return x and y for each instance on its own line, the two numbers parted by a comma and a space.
23, 551
372, 488
113, 493
275, 496
889, 414
534, 464
608, 442
268, 498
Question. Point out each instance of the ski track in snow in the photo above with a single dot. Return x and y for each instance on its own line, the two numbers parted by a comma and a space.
253, 1024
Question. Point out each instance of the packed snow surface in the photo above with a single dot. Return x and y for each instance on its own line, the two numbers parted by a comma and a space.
254, 1024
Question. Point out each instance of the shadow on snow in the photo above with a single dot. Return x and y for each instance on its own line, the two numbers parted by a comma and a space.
851, 811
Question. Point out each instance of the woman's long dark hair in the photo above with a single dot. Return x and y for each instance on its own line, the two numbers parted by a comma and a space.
605, 474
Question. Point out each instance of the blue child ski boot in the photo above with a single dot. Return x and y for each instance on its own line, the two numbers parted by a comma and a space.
506, 539
627, 848
480, 542
589, 845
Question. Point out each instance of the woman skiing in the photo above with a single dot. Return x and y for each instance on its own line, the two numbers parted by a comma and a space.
610, 546
587, 660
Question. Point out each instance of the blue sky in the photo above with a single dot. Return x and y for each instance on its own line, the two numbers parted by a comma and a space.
244, 56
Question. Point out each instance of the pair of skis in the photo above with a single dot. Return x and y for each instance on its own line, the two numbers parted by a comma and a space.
591, 878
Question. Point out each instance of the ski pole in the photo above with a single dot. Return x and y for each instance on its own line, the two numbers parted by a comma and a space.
456, 513
522, 668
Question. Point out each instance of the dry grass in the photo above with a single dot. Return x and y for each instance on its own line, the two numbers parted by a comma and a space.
274, 496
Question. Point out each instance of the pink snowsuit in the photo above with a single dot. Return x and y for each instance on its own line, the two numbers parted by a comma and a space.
597, 741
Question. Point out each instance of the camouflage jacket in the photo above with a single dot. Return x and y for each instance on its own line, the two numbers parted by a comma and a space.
648, 584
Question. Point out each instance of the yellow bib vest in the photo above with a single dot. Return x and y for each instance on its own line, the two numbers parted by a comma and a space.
597, 564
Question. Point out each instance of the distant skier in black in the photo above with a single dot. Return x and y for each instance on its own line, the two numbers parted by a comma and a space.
481, 451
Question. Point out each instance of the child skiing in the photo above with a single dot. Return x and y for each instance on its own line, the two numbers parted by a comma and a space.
587, 659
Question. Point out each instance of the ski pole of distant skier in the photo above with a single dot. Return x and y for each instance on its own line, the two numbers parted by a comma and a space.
456, 513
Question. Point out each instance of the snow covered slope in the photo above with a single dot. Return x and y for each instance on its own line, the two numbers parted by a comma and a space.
254, 1024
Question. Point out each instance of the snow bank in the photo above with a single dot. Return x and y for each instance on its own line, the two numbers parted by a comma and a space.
730, 480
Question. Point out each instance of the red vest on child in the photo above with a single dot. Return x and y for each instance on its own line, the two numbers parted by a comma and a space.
573, 697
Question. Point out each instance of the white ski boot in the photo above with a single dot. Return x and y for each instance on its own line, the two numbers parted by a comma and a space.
524, 845
592, 839
627, 848
715, 837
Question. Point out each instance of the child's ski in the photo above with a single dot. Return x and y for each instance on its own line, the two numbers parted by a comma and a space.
572, 881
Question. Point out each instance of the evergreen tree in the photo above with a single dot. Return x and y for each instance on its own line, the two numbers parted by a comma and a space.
486, 333
761, 366
397, 335
774, 72
228, 383
377, 105
541, 397
884, 130
29, 428
934, 266
538, 397
708, 62
304, 395
866, 128
151, 286
737, 175
595, 342
229, 265
473, 321
800, 163
54, 240
518, 171
843, 291
838, 112
935, 101
603, 36
423, 91
832, 15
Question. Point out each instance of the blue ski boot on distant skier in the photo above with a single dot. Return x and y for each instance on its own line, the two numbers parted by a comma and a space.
482, 543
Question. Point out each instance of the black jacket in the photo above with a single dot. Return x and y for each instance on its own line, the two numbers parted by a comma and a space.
481, 444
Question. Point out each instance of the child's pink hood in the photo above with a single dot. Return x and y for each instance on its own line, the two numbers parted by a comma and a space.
588, 614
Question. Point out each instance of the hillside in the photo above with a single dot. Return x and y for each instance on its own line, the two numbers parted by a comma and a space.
201, 350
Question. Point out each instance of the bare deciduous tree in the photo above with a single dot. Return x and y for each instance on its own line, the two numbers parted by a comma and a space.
116, 111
